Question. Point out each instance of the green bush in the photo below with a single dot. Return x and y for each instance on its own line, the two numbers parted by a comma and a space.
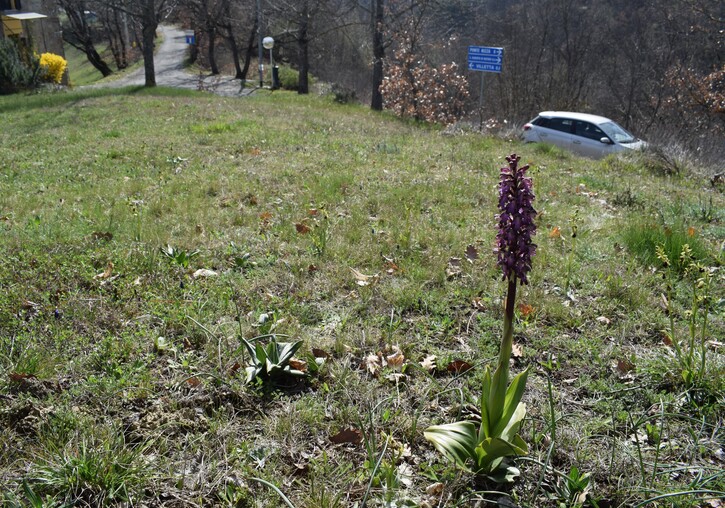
15, 73
289, 78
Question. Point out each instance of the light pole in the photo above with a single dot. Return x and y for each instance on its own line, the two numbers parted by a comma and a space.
268, 43
259, 30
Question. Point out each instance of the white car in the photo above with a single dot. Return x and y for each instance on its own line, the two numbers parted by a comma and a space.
589, 135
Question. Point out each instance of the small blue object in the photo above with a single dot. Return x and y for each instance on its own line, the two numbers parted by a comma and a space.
191, 39
485, 59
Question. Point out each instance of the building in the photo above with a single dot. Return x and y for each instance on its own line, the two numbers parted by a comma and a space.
34, 23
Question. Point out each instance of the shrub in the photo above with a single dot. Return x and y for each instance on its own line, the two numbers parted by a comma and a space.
414, 89
53, 67
289, 78
343, 95
15, 72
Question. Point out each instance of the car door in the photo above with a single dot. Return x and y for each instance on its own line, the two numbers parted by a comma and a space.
587, 140
558, 131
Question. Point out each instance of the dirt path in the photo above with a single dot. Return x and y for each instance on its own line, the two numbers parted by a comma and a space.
169, 66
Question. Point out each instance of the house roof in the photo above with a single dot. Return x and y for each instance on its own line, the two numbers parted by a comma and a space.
22, 16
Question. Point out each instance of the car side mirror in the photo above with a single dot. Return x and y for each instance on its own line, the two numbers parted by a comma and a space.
606, 141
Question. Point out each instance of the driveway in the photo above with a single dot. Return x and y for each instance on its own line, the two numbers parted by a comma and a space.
169, 65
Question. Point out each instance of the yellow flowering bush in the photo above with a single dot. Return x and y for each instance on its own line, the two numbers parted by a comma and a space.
53, 67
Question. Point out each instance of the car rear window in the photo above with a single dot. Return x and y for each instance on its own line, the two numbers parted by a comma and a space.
558, 124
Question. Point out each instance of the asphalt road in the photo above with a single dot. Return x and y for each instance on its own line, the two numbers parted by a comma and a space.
169, 66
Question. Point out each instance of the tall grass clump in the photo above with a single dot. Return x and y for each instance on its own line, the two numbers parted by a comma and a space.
91, 470
642, 237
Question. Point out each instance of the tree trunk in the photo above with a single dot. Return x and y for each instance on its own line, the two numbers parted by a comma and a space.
95, 59
83, 40
249, 53
148, 29
229, 36
303, 85
378, 55
211, 34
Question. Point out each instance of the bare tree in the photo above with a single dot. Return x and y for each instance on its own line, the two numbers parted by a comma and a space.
147, 13
80, 35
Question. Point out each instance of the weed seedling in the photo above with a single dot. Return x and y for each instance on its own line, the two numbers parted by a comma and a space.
178, 256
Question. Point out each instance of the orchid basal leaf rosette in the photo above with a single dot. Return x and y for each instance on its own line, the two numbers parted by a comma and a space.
487, 447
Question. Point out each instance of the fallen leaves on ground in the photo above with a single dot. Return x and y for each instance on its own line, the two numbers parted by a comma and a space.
352, 436
471, 253
458, 367
106, 273
361, 279
429, 363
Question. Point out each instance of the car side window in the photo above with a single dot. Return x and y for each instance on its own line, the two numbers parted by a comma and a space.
560, 124
542, 122
588, 130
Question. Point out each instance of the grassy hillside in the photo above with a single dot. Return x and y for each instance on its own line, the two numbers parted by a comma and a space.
122, 367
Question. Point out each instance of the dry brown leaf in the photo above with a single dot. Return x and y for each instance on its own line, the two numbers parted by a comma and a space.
435, 489
19, 377
102, 235
372, 364
353, 436
471, 253
604, 320
312, 212
525, 309
454, 262
255, 151
691, 231
624, 366
298, 364
429, 363
320, 353
106, 273
265, 216
458, 367
395, 360
302, 228
667, 340
390, 266
361, 279
395, 377
555, 232
193, 382
312, 268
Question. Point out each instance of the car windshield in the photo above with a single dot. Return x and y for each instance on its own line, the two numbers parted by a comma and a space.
617, 133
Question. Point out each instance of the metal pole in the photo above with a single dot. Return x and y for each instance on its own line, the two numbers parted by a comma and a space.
480, 105
259, 42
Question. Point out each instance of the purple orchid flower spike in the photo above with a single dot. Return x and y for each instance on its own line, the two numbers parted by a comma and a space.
516, 221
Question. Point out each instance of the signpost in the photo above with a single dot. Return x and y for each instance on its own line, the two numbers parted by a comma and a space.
484, 59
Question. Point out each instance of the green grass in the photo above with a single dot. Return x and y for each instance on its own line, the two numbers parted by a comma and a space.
121, 374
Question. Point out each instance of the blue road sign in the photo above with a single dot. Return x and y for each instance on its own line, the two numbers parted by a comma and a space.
191, 39
485, 59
